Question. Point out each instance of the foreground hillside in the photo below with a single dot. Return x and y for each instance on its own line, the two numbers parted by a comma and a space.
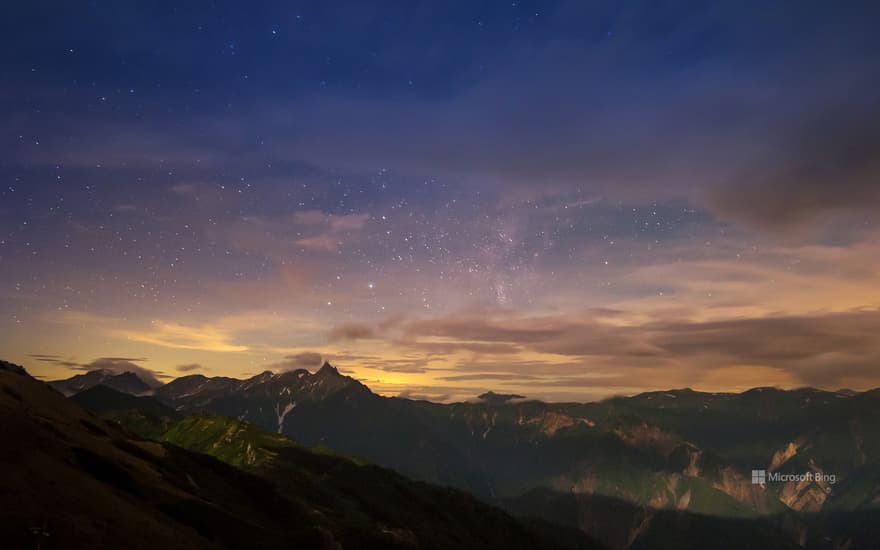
73, 480
277, 458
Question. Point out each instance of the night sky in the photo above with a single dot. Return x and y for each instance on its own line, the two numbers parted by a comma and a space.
566, 200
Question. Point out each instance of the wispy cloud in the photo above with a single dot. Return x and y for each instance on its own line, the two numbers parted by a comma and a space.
180, 336
121, 365
328, 231
189, 367
302, 360
819, 349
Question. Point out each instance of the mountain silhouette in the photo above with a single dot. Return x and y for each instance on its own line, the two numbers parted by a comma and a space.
127, 382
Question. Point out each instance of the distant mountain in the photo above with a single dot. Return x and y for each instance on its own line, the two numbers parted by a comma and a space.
266, 399
127, 382
104, 399
73, 480
679, 450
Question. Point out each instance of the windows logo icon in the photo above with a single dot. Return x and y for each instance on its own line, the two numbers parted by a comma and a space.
759, 477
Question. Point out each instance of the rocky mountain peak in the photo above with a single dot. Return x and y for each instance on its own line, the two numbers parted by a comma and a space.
328, 370
289, 375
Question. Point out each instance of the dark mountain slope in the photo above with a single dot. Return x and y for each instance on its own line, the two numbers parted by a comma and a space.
103, 399
354, 495
144, 415
626, 525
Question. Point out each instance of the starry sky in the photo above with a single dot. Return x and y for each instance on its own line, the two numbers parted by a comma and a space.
566, 200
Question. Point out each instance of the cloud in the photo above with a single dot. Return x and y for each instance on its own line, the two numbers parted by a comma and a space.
333, 230
353, 331
281, 236
288, 284
409, 365
821, 349
357, 330
326, 242
121, 365
437, 397
56, 359
189, 368
303, 360
487, 376
452, 345
821, 167
350, 222
184, 189
180, 336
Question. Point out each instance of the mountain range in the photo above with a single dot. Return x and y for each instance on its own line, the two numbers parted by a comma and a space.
72, 479
631, 471
127, 382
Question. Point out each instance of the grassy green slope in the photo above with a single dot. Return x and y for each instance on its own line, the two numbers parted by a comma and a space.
362, 505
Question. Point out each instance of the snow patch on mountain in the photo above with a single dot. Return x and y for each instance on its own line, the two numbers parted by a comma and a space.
282, 413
